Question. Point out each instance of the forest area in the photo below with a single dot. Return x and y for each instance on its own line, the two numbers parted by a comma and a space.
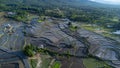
86, 13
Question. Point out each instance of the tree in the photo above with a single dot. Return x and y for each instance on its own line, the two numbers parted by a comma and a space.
29, 50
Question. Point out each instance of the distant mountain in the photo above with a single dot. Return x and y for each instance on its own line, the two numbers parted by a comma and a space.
56, 2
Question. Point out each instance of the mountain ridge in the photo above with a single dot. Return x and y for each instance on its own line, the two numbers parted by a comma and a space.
77, 3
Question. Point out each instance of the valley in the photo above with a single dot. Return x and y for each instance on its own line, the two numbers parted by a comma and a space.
68, 34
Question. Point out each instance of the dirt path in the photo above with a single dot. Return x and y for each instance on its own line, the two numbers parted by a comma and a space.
51, 63
39, 61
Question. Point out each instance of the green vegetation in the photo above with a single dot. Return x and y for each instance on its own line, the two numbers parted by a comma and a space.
56, 64
29, 50
73, 28
40, 21
2, 18
106, 32
33, 63
18, 16
53, 53
94, 63
91, 28
74, 10
101, 17
45, 61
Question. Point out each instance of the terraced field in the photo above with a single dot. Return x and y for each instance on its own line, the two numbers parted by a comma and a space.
55, 35
2, 18
9, 59
12, 37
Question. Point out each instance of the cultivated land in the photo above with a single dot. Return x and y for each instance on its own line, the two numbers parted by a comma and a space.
69, 45
59, 34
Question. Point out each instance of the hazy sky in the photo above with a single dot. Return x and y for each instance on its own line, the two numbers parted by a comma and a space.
108, 1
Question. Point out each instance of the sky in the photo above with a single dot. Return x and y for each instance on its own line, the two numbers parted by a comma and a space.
115, 2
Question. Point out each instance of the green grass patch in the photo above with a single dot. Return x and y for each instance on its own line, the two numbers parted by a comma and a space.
89, 28
94, 63
73, 28
105, 31
45, 61
56, 64
31, 16
33, 63
1, 35
108, 34
116, 19
40, 21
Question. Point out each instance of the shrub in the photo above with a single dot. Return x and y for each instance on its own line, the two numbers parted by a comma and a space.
29, 50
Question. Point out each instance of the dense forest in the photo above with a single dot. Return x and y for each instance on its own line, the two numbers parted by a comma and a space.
76, 10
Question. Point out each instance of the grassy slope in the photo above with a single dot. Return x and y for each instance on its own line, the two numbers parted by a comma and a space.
94, 63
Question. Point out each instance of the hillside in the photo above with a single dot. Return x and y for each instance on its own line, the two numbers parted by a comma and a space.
76, 10
59, 34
